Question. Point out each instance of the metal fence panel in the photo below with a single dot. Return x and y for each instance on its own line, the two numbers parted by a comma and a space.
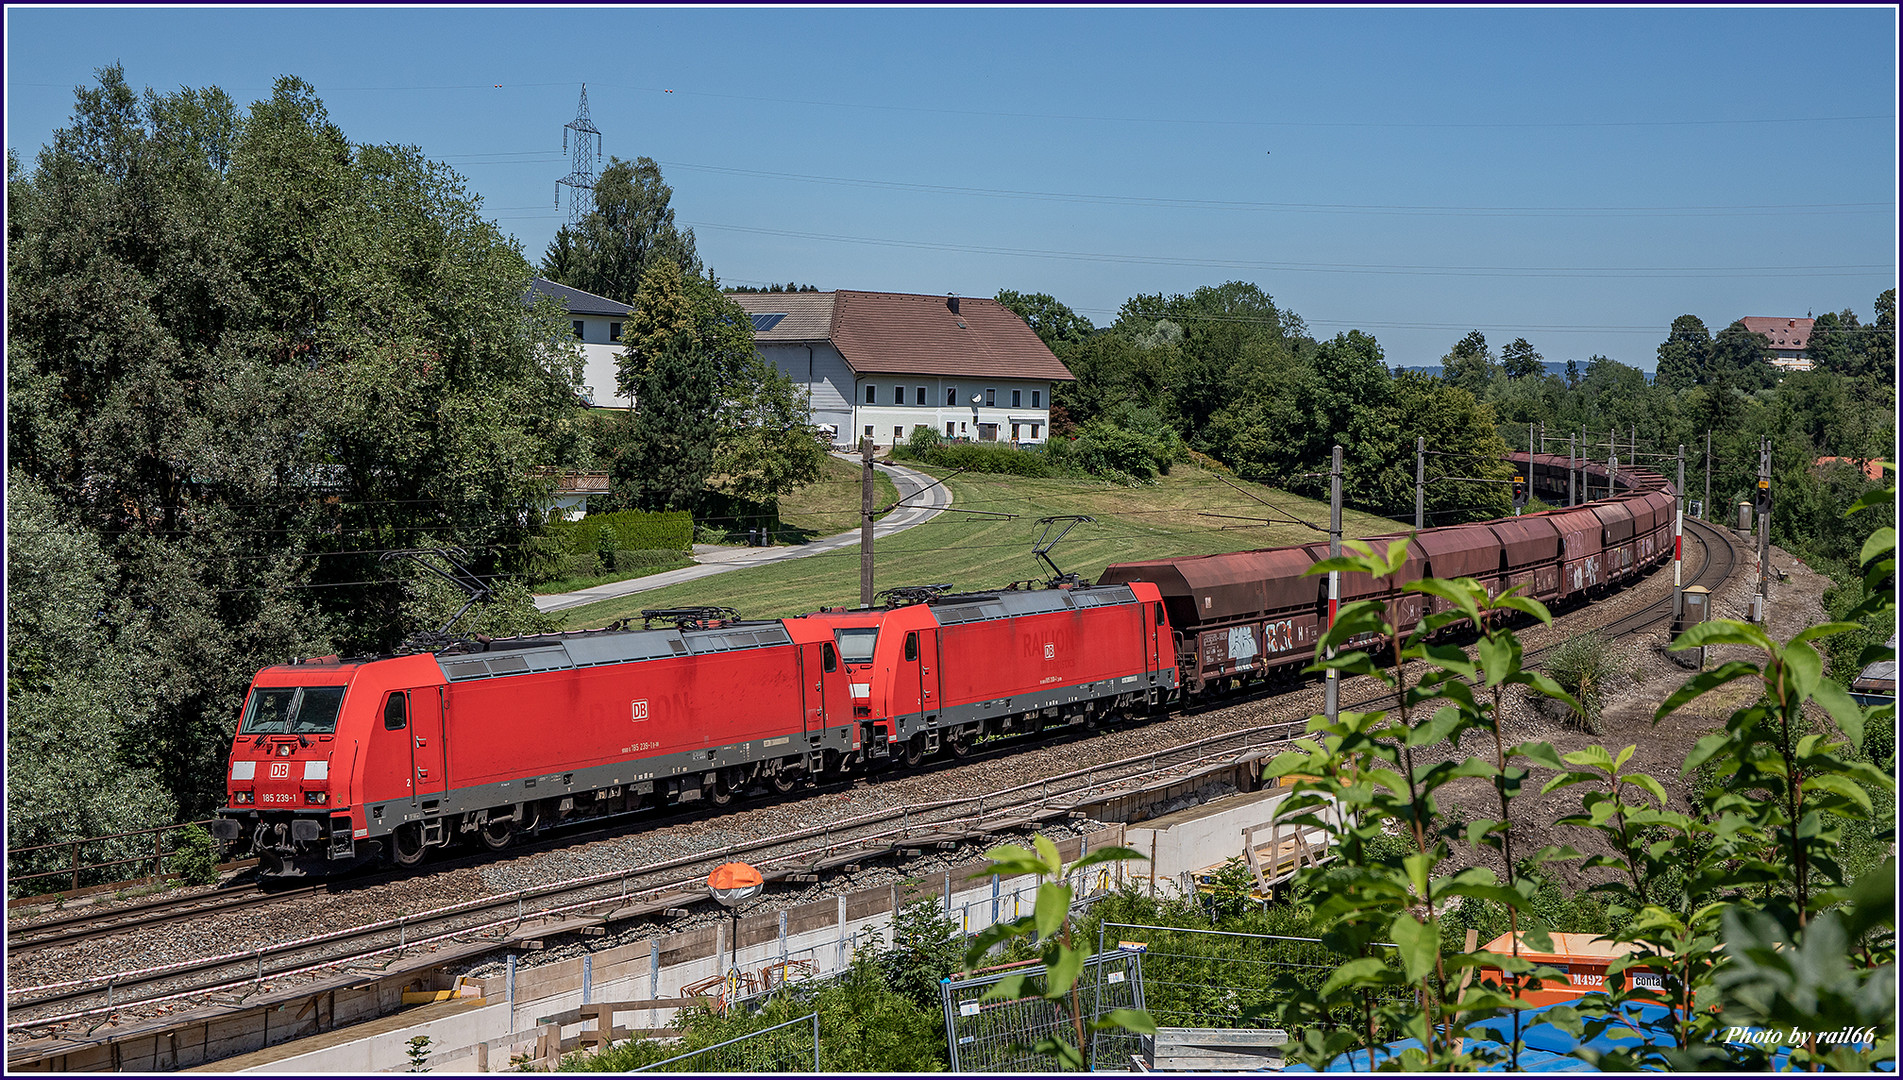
1225, 979
997, 1036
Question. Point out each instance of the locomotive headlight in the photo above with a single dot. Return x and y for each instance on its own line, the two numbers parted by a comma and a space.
240, 797
316, 798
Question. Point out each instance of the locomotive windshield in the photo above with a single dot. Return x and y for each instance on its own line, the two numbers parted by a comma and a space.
292, 710
855, 645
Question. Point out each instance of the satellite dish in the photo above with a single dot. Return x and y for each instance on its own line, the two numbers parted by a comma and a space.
976, 398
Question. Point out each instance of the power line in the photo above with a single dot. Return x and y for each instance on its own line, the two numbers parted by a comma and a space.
1347, 208
1422, 270
1293, 124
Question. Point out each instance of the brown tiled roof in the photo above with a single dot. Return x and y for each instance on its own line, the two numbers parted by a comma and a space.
1784, 333
908, 334
902, 333
809, 316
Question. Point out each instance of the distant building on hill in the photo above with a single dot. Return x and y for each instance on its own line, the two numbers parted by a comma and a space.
1790, 340
1871, 469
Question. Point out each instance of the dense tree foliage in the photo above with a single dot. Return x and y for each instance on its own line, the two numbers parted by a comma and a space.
1520, 360
246, 356
1050, 320
609, 252
707, 407
1469, 364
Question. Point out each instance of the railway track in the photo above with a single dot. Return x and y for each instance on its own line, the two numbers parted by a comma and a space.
596, 901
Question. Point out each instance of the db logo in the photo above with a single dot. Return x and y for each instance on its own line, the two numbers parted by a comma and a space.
640, 710
280, 770
1050, 652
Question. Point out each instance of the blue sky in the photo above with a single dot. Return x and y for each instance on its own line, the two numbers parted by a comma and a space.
1578, 177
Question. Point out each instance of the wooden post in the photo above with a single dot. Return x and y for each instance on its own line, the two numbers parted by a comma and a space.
865, 523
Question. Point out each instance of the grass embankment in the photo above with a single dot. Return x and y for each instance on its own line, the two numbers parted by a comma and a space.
830, 505
1152, 522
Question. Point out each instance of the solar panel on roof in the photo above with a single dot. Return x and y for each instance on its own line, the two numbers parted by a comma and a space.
765, 322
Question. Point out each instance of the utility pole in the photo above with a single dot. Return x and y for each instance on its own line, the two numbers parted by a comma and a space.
1678, 541
1331, 695
1420, 481
1763, 612
1612, 462
1572, 473
865, 523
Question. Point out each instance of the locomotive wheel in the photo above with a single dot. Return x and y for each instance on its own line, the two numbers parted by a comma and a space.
782, 782
959, 744
914, 750
720, 792
406, 845
496, 835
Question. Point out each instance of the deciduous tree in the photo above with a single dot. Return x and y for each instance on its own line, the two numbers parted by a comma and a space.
608, 253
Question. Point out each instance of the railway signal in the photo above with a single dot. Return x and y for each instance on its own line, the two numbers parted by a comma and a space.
1519, 493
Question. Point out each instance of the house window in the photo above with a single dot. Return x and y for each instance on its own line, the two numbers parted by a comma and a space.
614, 331
948, 429
868, 431
991, 397
577, 325
898, 433
961, 427
951, 395
921, 395
1034, 428
1037, 399
1014, 433
1017, 399
898, 395
872, 393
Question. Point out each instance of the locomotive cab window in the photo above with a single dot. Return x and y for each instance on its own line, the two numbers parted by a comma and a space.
1159, 614
292, 710
395, 712
855, 644
828, 659
911, 645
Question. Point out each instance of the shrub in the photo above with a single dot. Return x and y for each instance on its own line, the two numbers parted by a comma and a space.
582, 566
1582, 666
196, 860
544, 558
924, 440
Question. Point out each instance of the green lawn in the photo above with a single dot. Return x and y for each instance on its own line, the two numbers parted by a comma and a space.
830, 505
971, 552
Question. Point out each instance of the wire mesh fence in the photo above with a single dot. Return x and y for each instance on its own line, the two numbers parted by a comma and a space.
998, 1036
1226, 979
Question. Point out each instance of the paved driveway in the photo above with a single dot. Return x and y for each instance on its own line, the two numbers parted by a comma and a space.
718, 560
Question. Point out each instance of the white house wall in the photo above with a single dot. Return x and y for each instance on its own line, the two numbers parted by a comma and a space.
821, 371
887, 419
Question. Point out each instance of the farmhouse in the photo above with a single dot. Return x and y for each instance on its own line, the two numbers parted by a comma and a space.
878, 364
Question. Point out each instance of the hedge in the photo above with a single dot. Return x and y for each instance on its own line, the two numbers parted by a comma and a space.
633, 530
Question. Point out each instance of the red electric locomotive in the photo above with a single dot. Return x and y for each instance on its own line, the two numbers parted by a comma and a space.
335, 762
